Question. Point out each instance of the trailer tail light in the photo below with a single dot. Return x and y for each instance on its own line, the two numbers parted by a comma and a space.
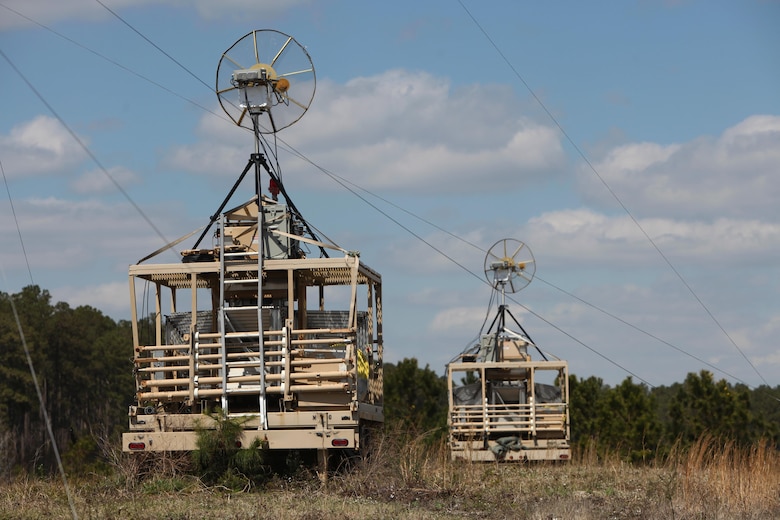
564, 456
135, 446
340, 443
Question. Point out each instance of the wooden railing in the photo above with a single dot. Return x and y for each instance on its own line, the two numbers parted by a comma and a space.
468, 420
295, 361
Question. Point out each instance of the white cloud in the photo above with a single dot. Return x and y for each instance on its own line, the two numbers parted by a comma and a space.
71, 236
110, 298
407, 130
47, 11
215, 159
404, 130
96, 181
39, 146
594, 238
734, 175
678, 330
457, 319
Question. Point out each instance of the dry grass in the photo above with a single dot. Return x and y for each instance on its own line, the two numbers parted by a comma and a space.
413, 479
717, 477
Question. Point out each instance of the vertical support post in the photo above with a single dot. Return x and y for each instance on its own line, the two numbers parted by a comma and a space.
134, 324
193, 365
450, 408
353, 294
193, 333
222, 339
532, 401
485, 402
370, 344
158, 341
158, 314
287, 360
564, 377
380, 349
258, 159
303, 301
322, 459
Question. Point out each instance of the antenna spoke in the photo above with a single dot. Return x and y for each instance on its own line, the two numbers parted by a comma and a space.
295, 101
241, 117
524, 275
293, 73
228, 89
289, 39
234, 62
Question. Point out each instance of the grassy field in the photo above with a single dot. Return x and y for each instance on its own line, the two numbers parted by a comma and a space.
713, 480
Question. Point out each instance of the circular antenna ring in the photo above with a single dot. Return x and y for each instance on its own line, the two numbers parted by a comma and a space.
509, 264
265, 81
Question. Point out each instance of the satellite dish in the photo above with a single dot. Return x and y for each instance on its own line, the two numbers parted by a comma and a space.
509, 264
265, 81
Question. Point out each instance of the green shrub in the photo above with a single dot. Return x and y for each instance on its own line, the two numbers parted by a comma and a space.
221, 460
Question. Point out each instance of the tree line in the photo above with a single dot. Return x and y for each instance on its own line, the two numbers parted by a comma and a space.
83, 363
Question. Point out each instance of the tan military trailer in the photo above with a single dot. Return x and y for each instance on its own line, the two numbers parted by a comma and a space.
302, 369
267, 324
503, 405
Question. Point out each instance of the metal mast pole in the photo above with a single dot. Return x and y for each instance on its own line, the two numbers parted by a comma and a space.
258, 159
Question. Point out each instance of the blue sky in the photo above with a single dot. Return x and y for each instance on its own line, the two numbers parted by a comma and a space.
579, 129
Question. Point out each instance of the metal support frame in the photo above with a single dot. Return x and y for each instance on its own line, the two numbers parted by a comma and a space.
500, 323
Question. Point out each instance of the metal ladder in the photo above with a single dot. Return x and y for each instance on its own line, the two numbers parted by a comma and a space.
255, 337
